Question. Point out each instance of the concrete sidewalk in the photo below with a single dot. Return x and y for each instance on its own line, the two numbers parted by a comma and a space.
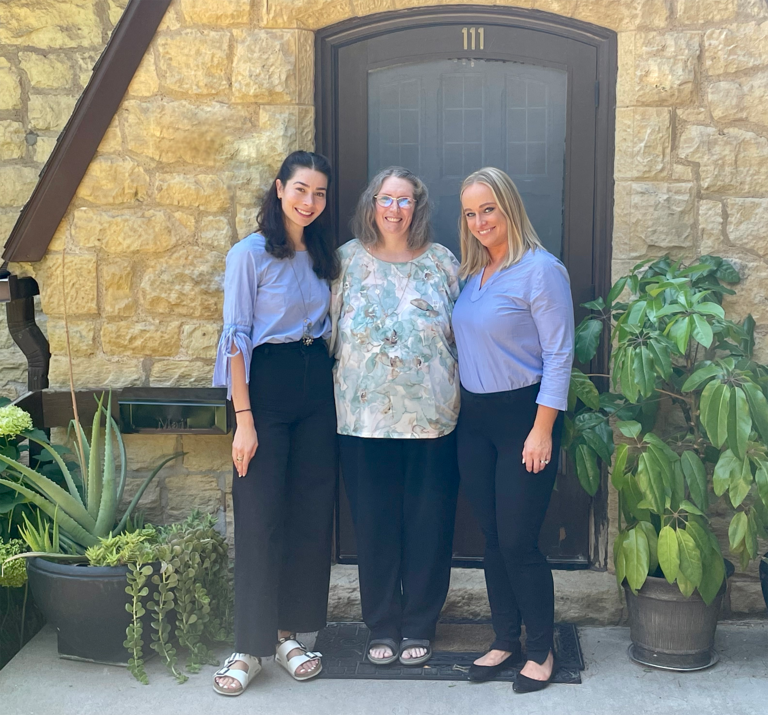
37, 682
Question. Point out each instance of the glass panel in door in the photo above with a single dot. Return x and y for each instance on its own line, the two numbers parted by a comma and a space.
447, 118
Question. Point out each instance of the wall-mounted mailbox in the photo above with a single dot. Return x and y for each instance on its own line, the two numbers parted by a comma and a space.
171, 411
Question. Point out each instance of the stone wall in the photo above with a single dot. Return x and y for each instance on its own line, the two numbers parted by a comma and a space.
206, 122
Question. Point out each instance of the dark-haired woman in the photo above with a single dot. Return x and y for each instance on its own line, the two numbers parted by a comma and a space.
273, 359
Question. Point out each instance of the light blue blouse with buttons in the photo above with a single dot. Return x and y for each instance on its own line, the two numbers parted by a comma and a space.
517, 330
266, 300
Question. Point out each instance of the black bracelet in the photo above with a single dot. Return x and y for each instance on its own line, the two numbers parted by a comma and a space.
247, 409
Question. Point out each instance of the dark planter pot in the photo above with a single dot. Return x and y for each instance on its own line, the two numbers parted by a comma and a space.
86, 605
764, 578
670, 631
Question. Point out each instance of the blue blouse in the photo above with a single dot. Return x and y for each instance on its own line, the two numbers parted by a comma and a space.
266, 300
517, 330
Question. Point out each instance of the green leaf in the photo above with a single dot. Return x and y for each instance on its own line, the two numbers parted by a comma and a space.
712, 575
598, 444
680, 332
705, 401
761, 477
750, 540
737, 530
632, 495
653, 544
741, 483
725, 467
619, 465
617, 289
586, 469
690, 557
702, 331
700, 376
629, 387
717, 415
637, 558
711, 309
644, 371
629, 428
691, 508
696, 478
686, 587
668, 553
739, 423
587, 339
662, 361
619, 561
727, 273
584, 389
651, 483
758, 406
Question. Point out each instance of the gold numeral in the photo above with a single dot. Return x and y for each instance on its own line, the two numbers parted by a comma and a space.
475, 33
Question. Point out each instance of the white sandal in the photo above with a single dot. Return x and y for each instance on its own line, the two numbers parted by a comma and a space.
241, 676
285, 646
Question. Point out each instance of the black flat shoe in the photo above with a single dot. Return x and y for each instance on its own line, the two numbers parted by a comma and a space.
524, 684
481, 673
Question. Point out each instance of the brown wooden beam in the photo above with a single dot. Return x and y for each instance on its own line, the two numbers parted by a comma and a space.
84, 131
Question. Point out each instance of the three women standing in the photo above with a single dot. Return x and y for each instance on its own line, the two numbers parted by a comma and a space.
514, 332
274, 362
397, 399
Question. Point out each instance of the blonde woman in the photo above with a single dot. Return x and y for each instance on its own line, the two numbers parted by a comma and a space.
397, 399
514, 332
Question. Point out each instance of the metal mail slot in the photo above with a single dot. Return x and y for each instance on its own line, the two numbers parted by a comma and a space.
146, 415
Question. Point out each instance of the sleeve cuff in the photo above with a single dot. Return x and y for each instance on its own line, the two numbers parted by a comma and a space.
556, 403
234, 339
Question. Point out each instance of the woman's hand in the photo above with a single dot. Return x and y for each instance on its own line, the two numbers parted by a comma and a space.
537, 450
245, 443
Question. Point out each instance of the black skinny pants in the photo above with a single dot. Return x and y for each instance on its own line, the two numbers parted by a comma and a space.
402, 494
283, 507
510, 503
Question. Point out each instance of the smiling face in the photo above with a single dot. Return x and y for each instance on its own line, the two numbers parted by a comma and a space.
303, 197
393, 221
484, 218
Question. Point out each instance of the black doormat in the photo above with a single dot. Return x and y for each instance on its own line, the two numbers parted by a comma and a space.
344, 646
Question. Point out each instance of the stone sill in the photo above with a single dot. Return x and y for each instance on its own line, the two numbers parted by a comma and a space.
581, 597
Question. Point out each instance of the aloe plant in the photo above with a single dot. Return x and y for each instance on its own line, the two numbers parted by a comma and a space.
690, 402
87, 514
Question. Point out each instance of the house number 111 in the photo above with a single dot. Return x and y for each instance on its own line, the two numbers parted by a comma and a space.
473, 35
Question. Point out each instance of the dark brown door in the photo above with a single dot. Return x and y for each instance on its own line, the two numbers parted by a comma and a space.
445, 99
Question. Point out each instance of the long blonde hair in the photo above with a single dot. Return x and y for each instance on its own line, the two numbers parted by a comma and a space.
521, 236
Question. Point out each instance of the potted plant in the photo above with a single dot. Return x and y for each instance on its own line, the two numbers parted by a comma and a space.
86, 605
688, 400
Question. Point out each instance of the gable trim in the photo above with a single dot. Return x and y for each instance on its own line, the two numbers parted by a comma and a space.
78, 142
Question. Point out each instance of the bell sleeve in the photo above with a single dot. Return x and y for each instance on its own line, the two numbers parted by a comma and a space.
240, 288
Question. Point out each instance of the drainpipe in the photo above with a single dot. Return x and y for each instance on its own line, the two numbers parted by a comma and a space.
18, 294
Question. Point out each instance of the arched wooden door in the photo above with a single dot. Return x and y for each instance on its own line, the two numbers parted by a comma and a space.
447, 91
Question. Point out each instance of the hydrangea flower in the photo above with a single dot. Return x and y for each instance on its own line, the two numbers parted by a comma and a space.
14, 574
13, 421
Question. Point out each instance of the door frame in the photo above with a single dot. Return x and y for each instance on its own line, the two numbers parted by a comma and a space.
329, 40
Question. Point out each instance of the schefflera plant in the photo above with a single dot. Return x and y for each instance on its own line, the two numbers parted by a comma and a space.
687, 396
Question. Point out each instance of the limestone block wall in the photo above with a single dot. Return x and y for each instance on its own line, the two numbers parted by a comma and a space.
226, 90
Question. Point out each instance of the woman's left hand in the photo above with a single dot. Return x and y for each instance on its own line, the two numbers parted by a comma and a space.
537, 451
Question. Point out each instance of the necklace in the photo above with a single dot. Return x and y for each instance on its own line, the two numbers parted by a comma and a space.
385, 314
306, 336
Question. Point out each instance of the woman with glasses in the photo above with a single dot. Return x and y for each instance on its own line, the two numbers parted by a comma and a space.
397, 401
514, 331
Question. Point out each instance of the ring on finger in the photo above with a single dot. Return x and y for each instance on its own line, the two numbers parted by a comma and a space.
544, 461
238, 459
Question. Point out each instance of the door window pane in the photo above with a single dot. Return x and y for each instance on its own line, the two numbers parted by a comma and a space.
447, 118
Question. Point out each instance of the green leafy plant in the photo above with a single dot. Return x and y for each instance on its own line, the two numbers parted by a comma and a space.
188, 568
673, 347
90, 512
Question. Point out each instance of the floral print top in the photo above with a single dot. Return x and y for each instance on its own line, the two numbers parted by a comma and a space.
396, 373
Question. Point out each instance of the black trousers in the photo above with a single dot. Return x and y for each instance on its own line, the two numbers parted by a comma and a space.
402, 493
510, 503
283, 507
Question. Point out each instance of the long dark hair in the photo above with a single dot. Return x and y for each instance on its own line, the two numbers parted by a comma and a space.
318, 236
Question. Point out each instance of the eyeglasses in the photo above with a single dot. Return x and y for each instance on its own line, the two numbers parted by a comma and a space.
404, 202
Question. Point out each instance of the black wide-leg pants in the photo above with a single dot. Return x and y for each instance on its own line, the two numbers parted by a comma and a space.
283, 507
402, 494
510, 503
